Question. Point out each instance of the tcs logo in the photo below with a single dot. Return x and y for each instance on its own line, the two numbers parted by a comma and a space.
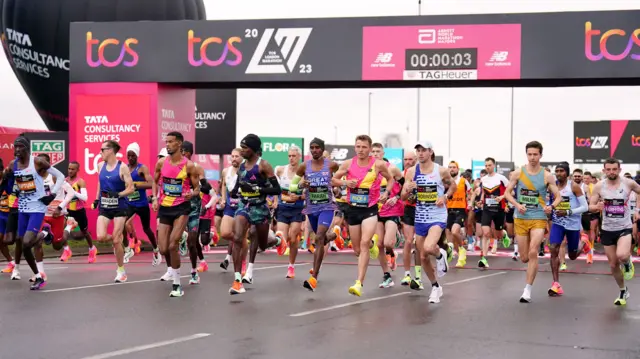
590, 33
635, 141
192, 41
125, 49
91, 161
583, 142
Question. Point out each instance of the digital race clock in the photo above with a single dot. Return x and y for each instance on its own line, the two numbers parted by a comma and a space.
441, 64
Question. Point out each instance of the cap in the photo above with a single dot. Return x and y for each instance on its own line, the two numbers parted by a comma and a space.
424, 143
163, 153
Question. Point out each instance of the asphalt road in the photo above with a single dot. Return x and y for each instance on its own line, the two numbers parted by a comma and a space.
82, 314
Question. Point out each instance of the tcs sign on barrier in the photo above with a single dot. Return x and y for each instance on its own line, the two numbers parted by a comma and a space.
125, 51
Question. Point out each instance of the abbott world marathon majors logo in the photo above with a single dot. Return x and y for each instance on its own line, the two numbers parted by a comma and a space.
53, 148
24, 57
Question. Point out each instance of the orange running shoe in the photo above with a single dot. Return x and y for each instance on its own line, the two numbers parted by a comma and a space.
589, 258
236, 288
339, 241
311, 284
282, 247
66, 254
586, 248
392, 262
9, 268
555, 290
93, 252
203, 267
137, 247
312, 248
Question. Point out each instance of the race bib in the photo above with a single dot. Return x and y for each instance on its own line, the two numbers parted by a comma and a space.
491, 203
427, 194
359, 197
564, 205
172, 187
319, 195
614, 208
26, 184
286, 196
135, 196
632, 205
529, 198
233, 202
108, 202
4, 203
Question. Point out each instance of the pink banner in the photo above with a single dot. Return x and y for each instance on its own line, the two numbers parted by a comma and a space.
443, 52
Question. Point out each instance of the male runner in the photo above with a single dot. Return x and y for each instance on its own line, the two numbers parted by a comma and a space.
178, 182
256, 180
138, 202
408, 223
209, 201
77, 215
457, 209
289, 215
429, 180
6, 187
363, 175
32, 200
530, 221
114, 185
611, 197
230, 204
193, 224
593, 218
565, 223
10, 235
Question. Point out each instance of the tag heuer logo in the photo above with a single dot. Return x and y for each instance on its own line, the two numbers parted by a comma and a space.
53, 148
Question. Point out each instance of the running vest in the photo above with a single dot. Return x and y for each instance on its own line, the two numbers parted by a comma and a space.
459, 199
75, 204
110, 184
30, 188
616, 215
230, 180
139, 197
398, 208
569, 201
319, 192
429, 189
175, 183
5, 198
205, 198
532, 191
252, 176
367, 191
285, 198
492, 187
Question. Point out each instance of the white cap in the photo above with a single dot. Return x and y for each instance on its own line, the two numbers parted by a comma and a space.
163, 153
135, 148
424, 143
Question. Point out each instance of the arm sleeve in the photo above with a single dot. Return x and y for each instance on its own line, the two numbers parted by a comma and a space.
205, 187
82, 195
59, 179
69, 194
212, 201
274, 189
584, 207
293, 187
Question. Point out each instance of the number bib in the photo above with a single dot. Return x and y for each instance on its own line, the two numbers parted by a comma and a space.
172, 187
359, 197
529, 198
4, 203
564, 205
427, 194
319, 195
491, 203
413, 197
108, 202
233, 202
135, 196
26, 184
286, 196
614, 208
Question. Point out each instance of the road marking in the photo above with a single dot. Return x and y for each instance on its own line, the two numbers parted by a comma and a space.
54, 268
141, 281
302, 314
147, 346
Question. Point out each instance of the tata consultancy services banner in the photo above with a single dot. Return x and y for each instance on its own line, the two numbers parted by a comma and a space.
394, 155
276, 149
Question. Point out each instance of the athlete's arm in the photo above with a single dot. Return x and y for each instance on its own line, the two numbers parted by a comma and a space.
448, 181
553, 187
223, 184
409, 184
212, 201
513, 182
148, 180
205, 186
69, 194
293, 187
156, 179
267, 171
634, 186
595, 205
41, 164
582, 200
125, 175
194, 176
386, 173
97, 199
82, 186
337, 180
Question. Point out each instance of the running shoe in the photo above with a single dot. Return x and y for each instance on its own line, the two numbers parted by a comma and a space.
483, 263
374, 251
282, 247
436, 294
555, 290
156, 258
387, 282
586, 247
628, 270
514, 256
15, 275
136, 247
339, 241
442, 264
312, 248
462, 257
42, 274
166, 277
416, 284
128, 254
563, 267
9, 268
494, 246
195, 278
236, 288
310, 284
215, 238
622, 298
203, 267
66, 254
506, 240
449, 252
121, 277
590, 258
526, 296
177, 291
38, 284
291, 272
287, 251
246, 279
224, 264
356, 288
406, 280
206, 249
93, 253
391, 261
183, 244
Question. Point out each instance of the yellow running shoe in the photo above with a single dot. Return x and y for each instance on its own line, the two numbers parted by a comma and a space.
628, 270
563, 267
622, 299
374, 251
356, 289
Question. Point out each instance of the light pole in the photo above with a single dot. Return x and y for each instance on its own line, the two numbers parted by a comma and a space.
369, 126
419, 92
335, 134
449, 133
511, 145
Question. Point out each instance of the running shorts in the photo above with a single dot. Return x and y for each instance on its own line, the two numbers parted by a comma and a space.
80, 216
220, 212
610, 238
113, 213
288, 215
57, 225
229, 211
12, 221
558, 233
456, 216
394, 219
255, 214
31, 222
322, 218
193, 224
4, 217
522, 227
496, 217
343, 209
167, 215
205, 226
422, 229
508, 217
409, 217
357, 215
143, 212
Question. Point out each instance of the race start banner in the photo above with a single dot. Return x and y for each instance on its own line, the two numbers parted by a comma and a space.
276, 149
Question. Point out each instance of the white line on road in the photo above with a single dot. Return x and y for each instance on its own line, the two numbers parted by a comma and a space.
54, 268
141, 281
302, 314
147, 346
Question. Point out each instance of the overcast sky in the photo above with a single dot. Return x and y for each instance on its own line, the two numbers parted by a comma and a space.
546, 115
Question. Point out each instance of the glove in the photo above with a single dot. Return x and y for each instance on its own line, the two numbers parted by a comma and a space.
205, 187
150, 199
203, 211
114, 194
95, 204
247, 187
47, 199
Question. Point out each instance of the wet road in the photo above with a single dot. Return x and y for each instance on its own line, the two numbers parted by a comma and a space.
82, 314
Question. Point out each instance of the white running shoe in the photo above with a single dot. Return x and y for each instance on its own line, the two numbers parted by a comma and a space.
166, 277
436, 293
128, 254
121, 277
156, 259
15, 275
442, 264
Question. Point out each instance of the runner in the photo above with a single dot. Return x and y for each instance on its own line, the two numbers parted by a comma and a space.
193, 224
530, 221
289, 215
138, 203
593, 217
256, 180
363, 176
209, 201
10, 235
566, 223
408, 226
457, 208
77, 223
230, 204
429, 180
6, 186
179, 183
611, 196
32, 200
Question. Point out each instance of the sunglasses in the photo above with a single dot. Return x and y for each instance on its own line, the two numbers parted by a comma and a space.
105, 149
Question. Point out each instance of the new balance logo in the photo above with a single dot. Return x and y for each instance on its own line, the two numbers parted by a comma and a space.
384, 58
499, 56
281, 58
599, 142
339, 154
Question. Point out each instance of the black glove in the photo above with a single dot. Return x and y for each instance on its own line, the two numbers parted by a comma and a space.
47, 199
95, 204
113, 194
247, 187
150, 199
205, 187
